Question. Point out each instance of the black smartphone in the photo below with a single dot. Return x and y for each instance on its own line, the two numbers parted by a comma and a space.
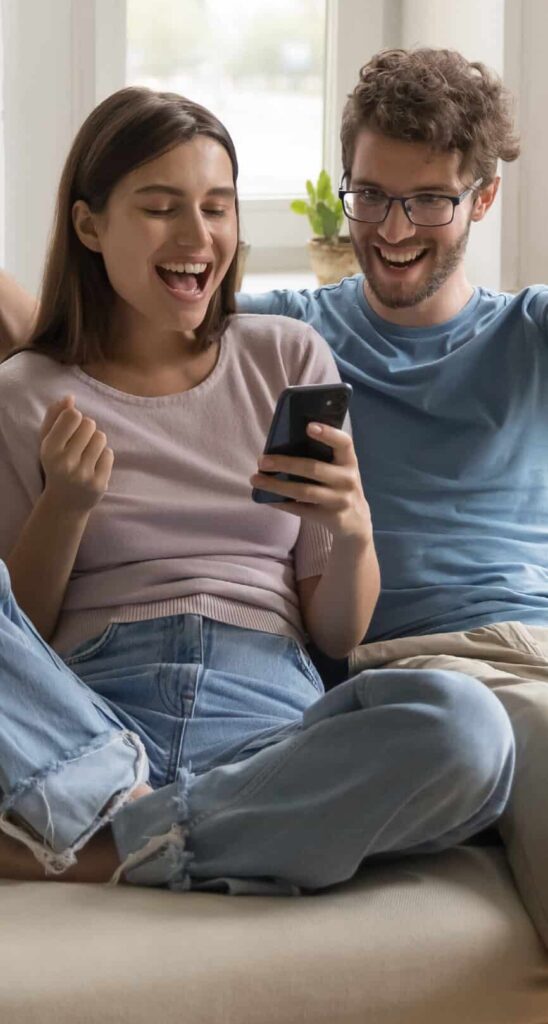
298, 406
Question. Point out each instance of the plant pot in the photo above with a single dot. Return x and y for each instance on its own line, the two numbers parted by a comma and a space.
331, 261
243, 252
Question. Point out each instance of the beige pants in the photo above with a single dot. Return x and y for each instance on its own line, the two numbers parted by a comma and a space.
512, 660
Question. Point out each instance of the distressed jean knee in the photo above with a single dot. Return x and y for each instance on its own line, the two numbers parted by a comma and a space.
55, 812
151, 837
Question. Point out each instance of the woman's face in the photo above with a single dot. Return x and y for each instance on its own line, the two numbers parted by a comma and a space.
168, 233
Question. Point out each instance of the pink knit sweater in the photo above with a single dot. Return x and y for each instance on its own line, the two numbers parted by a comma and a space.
177, 530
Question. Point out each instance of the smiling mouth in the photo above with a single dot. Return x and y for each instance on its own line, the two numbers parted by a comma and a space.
185, 279
400, 261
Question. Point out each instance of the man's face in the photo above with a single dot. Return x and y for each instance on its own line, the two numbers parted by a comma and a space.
403, 169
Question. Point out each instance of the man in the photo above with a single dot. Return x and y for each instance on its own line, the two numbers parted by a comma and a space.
450, 406
446, 385
450, 393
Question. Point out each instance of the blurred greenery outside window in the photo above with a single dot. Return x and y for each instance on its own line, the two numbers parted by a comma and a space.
258, 66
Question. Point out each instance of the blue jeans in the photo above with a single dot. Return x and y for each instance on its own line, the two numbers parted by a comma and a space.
262, 783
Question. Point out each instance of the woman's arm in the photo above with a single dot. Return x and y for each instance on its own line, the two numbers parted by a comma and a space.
337, 606
17, 309
42, 560
77, 467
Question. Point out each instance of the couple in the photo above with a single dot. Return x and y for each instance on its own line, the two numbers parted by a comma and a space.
176, 733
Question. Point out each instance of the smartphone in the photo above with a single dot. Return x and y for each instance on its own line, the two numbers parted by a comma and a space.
298, 406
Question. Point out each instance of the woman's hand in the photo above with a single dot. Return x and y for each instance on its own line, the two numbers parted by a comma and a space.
76, 461
334, 496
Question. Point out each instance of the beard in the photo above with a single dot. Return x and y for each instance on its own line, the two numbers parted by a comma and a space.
397, 296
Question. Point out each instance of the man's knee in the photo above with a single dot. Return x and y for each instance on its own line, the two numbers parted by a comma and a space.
459, 720
474, 733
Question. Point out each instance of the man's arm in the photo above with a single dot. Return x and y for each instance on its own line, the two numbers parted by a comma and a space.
17, 309
280, 302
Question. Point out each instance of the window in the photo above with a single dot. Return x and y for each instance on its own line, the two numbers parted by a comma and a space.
258, 66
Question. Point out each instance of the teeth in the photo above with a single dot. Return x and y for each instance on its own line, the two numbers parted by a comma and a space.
401, 257
184, 268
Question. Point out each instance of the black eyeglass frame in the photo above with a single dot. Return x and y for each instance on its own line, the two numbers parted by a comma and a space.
455, 201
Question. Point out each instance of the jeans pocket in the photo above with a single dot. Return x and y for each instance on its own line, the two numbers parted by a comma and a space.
305, 663
95, 645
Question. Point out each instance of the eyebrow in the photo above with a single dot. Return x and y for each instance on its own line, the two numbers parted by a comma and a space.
169, 190
362, 183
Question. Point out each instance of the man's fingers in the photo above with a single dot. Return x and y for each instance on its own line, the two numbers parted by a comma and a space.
53, 411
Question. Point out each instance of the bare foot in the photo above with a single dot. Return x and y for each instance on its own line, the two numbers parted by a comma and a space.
97, 861
143, 790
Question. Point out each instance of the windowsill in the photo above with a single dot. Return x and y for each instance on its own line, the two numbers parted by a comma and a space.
266, 282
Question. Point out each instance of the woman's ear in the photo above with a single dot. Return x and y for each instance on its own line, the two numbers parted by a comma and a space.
485, 198
84, 225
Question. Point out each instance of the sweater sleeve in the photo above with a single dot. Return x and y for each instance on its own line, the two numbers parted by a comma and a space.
20, 482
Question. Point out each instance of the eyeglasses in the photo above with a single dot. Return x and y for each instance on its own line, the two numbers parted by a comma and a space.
426, 209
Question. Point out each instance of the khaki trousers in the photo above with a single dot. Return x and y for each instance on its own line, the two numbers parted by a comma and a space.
512, 660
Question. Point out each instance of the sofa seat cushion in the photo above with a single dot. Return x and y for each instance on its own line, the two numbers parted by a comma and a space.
414, 941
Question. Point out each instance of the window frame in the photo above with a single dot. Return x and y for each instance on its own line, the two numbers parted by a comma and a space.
277, 236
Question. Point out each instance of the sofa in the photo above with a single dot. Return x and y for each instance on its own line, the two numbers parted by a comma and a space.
439, 939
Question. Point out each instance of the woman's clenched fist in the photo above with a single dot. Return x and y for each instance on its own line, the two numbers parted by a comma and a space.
75, 458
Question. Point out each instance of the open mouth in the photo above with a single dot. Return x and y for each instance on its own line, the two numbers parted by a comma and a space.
185, 280
400, 261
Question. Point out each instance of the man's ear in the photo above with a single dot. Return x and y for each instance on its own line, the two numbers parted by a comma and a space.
485, 198
84, 225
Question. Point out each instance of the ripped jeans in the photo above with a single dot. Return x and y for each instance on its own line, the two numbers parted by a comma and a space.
262, 783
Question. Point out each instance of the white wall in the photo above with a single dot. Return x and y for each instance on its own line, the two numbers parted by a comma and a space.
532, 191
476, 29
60, 58
37, 125
2, 171
63, 56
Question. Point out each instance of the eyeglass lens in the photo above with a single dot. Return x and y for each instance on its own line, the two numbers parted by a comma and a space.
421, 209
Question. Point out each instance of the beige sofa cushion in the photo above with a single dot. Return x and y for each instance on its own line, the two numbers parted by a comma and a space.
512, 660
425, 940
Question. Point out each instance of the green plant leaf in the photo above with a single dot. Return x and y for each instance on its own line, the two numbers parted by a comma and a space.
316, 224
300, 206
324, 211
339, 212
329, 220
323, 189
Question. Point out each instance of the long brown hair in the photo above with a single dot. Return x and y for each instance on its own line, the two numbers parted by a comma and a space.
128, 129
434, 96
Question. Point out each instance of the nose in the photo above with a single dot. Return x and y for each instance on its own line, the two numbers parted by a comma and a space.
397, 226
192, 229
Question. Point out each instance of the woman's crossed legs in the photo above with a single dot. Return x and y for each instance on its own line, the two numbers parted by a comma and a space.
389, 762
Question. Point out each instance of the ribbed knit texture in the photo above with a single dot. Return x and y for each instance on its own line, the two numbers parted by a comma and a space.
177, 530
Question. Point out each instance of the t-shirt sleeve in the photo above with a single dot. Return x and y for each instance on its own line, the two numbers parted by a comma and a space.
281, 302
537, 307
20, 482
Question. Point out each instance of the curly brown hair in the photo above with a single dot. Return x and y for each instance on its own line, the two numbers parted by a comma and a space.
438, 97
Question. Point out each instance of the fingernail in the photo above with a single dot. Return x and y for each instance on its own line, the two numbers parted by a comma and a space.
314, 428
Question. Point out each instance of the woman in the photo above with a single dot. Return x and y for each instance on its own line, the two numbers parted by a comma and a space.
129, 437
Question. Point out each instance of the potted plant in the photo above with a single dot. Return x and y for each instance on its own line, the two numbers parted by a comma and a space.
331, 254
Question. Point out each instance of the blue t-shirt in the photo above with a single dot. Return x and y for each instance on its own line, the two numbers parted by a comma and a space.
451, 432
